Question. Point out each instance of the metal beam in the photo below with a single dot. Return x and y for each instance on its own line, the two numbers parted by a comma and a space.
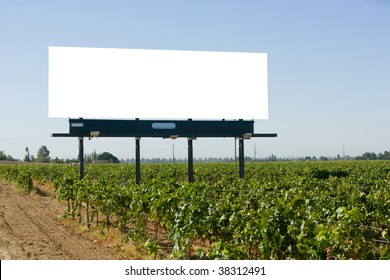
157, 128
264, 135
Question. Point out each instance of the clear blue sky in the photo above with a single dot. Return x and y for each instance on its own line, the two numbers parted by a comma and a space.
328, 67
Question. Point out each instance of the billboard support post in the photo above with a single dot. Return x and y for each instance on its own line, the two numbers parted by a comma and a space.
241, 129
241, 156
137, 161
81, 157
190, 161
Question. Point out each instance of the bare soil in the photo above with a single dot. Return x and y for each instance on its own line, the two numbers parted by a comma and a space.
30, 228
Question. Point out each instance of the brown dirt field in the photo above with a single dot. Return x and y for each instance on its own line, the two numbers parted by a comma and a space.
30, 228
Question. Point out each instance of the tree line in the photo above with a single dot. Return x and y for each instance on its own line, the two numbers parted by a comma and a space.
43, 156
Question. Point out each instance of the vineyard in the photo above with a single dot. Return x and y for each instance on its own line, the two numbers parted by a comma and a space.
287, 210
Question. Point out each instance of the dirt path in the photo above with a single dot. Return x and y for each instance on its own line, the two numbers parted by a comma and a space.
30, 229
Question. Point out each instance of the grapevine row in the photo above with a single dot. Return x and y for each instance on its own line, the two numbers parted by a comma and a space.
298, 210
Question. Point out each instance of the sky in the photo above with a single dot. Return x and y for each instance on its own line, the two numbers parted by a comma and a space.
328, 69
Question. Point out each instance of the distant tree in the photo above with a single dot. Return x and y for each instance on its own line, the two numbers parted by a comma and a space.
88, 158
94, 155
246, 159
385, 155
323, 158
27, 156
72, 160
3, 156
43, 154
369, 156
56, 160
108, 156
272, 157
10, 158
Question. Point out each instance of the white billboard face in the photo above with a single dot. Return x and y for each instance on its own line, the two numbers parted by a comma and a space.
156, 84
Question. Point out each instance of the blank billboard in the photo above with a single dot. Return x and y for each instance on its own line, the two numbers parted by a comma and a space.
156, 84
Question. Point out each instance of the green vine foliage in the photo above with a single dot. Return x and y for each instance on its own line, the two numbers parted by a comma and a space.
288, 210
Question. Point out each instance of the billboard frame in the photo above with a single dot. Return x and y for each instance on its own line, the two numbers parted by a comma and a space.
190, 129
